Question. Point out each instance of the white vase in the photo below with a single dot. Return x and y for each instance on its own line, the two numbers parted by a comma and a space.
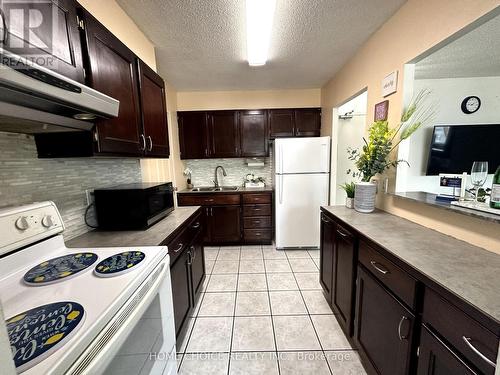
364, 196
349, 202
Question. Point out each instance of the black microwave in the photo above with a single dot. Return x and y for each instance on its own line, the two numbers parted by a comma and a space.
133, 206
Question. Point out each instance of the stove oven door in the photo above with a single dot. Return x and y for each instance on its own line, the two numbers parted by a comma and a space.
141, 337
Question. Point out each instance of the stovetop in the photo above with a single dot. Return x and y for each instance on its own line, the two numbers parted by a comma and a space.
49, 274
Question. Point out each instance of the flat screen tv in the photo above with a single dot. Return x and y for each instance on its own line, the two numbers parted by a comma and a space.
455, 147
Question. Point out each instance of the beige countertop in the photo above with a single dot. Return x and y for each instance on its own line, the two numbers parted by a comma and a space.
152, 236
240, 190
470, 272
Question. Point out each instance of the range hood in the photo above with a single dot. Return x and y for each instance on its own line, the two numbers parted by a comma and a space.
34, 99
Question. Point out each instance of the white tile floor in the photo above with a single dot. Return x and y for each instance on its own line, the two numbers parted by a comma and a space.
263, 312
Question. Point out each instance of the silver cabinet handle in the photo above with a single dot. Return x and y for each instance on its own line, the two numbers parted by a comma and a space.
402, 337
196, 226
474, 349
193, 253
325, 220
150, 147
190, 260
342, 233
179, 248
143, 142
378, 268
211, 211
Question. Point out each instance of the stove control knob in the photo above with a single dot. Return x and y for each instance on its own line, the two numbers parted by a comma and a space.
22, 223
47, 221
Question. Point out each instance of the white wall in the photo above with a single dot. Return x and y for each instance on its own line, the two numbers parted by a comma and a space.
346, 133
447, 95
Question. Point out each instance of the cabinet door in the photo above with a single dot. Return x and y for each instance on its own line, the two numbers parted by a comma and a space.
254, 133
55, 42
113, 71
225, 224
179, 274
207, 223
197, 265
281, 122
437, 359
326, 256
224, 134
384, 327
154, 111
193, 137
308, 122
343, 278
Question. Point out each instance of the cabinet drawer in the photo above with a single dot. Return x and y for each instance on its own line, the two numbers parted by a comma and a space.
393, 277
257, 222
461, 331
195, 227
177, 246
257, 198
207, 199
257, 210
258, 234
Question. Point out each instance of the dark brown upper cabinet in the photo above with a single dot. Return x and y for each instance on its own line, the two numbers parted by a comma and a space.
282, 122
308, 122
154, 111
303, 122
224, 134
193, 134
113, 71
58, 46
254, 132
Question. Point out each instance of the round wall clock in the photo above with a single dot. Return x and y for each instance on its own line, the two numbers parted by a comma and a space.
471, 104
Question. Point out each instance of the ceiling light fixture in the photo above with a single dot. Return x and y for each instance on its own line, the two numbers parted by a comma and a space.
260, 15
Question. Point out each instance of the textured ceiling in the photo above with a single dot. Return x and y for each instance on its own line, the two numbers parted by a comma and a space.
476, 54
201, 44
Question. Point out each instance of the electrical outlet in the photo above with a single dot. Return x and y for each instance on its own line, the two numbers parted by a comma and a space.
89, 194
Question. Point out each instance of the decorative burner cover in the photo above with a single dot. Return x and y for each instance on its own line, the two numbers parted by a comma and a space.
60, 268
37, 333
119, 263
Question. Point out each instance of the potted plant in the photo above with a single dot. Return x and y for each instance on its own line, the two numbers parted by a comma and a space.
349, 190
375, 155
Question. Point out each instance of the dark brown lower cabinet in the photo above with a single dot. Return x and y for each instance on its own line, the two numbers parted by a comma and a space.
436, 358
225, 224
197, 265
343, 288
187, 271
383, 328
326, 256
402, 323
179, 274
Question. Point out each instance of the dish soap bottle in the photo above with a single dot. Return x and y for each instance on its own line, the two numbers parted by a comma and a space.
495, 190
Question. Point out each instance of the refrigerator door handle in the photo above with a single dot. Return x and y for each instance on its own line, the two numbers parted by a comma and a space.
281, 189
281, 158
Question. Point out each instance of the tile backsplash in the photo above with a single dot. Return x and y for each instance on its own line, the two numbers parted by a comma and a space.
236, 169
25, 179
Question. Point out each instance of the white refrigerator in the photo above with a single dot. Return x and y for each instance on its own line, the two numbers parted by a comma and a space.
302, 179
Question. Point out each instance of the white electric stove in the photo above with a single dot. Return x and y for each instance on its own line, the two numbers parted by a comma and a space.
82, 311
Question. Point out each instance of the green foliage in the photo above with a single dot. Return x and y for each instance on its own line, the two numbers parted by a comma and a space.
375, 155
349, 189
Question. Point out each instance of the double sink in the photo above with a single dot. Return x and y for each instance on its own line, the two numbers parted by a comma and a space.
213, 188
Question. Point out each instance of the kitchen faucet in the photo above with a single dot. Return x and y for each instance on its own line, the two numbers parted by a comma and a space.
216, 180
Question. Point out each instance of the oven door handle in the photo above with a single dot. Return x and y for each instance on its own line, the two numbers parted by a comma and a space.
101, 351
